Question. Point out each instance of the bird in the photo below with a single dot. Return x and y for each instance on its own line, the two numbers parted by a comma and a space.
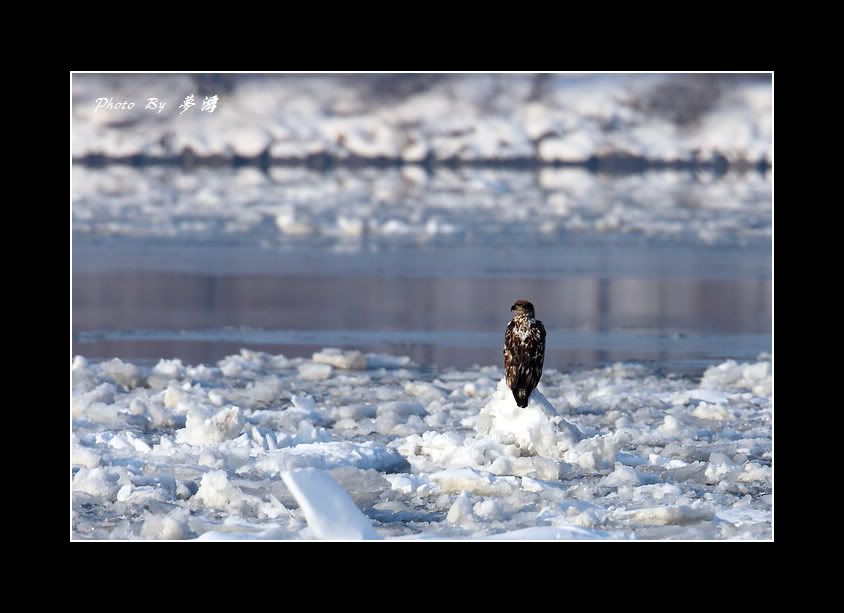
524, 351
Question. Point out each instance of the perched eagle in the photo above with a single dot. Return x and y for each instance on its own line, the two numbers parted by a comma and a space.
524, 352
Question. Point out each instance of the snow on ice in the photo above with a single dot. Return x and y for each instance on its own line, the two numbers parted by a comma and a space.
255, 447
553, 117
384, 207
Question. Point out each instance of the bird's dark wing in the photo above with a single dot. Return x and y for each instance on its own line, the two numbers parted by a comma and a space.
524, 359
511, 353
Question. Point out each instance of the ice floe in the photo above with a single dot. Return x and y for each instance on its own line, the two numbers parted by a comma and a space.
330, 512
359, 209
248, 448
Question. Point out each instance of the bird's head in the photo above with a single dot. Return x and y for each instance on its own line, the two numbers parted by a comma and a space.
523, 307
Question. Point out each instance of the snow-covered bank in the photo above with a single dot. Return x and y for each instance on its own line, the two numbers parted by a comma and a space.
418, 118
216, 451
351, 210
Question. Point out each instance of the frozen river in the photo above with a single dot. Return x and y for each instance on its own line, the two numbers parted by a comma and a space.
203, 303
195, 265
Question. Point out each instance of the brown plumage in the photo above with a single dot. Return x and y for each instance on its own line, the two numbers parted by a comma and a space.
524, 352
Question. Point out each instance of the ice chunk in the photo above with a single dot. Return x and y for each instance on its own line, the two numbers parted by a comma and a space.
754, 377
629, 459
351, 360
328, 455
305, 404
123, 373
424, 392
405, 483
755, 472
364, 486
672, 427
677, 514
551, 533
142, 495
329, 510
596, 453
350, 226
383, 360
401, 409
172, 369
96, 482
173, 395
84, 456
707, 395
622, 475
711, 411
224, 425
95, 404
536, 429
262, 391
172, 526
215, 490
461, 511
357, 412
720, 458
472, 481
271, 533
314, 372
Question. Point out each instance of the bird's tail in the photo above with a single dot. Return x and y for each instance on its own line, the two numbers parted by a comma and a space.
521, 396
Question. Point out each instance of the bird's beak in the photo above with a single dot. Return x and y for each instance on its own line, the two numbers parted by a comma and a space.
513, 308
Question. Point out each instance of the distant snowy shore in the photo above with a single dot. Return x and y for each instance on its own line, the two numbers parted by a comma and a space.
608, 121
352, 445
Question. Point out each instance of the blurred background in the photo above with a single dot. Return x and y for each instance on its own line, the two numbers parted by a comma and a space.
405, 213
